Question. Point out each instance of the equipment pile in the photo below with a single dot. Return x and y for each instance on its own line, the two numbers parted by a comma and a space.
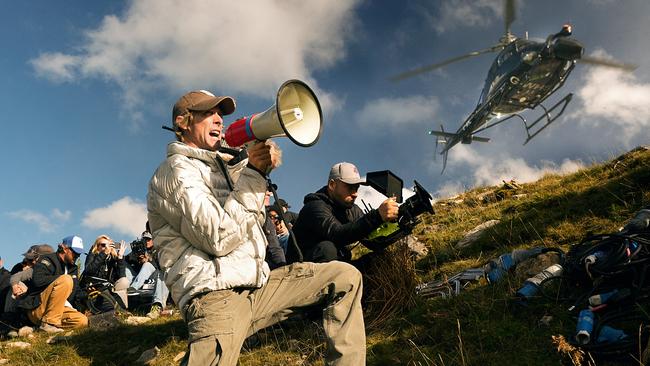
605, 281
602, 280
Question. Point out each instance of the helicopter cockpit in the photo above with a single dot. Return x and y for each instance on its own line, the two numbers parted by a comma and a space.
506, 62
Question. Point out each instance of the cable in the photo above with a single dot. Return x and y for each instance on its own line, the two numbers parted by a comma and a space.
616, 265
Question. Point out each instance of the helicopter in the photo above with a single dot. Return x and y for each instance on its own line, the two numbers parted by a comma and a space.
524, 74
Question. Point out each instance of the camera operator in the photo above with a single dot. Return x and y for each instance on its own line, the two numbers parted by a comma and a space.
330, 221
281, 232
290, 216
105, 262
141, 266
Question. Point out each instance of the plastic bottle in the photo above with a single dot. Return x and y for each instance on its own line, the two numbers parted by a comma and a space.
631, 247
520, 255
585, 326
531, 286
640, 222
499, 267
609, 297
595, 257
610, 335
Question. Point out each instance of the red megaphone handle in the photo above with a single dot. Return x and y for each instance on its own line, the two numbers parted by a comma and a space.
240, 132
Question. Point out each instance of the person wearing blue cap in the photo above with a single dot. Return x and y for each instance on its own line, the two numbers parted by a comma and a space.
53, 280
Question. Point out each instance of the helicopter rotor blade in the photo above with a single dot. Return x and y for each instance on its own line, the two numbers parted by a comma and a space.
509, 14
607, 63
423, 69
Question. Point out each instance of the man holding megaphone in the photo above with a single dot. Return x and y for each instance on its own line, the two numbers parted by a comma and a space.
207, 217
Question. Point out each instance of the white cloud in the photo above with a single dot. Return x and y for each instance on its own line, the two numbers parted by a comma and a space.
45, 223
493, 170
450, 189
378, 114
56, 66
614, 97
516, 168
232, 46
126, 216
454, 14
61, 216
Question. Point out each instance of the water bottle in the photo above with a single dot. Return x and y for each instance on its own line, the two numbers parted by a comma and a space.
520, 255
585, 326
609, 297
499, 267
640, 222
531, 286
596, 256
608, 334
631, 247
496, 269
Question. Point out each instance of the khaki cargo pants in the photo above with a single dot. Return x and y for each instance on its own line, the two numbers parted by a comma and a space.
52, 309
220, 321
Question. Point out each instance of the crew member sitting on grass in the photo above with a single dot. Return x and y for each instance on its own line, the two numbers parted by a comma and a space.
53, 282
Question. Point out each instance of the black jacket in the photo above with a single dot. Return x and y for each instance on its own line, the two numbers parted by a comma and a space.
322, 219
5, 286
102, 266
5, 276
47, 269
290, 217
274, 253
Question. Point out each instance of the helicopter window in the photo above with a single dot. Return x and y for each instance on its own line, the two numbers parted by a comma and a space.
506, 54
504, 64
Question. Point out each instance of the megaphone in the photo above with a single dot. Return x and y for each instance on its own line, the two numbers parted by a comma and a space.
296, 114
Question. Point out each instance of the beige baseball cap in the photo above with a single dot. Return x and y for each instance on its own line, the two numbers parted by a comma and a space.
346, 173
202, 100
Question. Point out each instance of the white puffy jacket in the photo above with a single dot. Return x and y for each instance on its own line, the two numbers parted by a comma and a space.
201, 245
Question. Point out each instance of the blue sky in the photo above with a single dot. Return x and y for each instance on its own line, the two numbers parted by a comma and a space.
86, 86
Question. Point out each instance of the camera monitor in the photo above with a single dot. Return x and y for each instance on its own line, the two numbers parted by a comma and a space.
386, 183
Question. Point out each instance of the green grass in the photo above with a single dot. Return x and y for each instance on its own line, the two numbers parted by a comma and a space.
481, 326
121, 345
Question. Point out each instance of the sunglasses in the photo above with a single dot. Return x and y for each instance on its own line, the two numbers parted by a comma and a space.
275, 218
103, 245
74, 254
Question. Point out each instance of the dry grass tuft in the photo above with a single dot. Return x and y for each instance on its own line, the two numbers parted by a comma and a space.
576, 355
389, 283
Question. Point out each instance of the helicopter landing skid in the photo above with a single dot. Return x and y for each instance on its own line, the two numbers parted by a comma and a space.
549, 119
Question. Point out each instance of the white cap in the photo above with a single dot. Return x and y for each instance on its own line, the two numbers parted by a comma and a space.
75, 243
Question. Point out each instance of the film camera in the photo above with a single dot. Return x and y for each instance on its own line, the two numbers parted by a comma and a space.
391, 185
139, 247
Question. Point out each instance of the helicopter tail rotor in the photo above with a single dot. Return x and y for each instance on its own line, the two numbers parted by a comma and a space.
439, 140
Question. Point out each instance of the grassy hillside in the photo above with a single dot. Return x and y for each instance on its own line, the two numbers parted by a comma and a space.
481, 326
